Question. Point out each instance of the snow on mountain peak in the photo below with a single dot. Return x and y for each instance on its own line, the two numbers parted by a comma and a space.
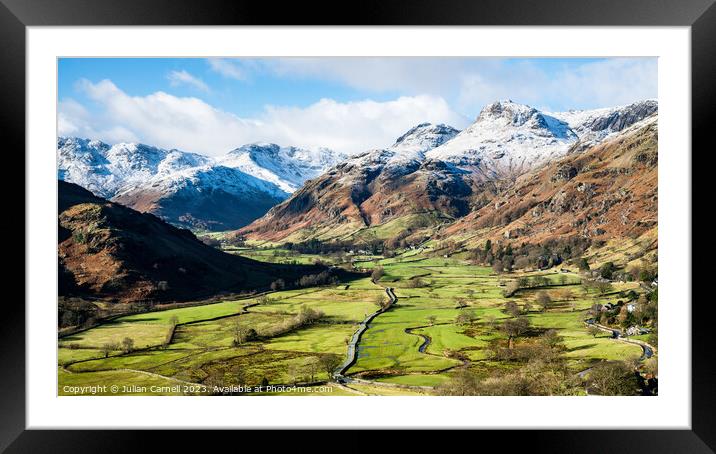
110, 170
286, 167
593, 126
406, 154
507, 137
424, 137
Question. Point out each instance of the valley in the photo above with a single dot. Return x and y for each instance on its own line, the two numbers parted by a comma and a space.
518, 256
445, 322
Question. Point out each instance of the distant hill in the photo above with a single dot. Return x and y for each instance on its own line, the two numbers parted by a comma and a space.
107, 250
188, 189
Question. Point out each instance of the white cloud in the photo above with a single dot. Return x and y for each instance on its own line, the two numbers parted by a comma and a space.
470, 83
191, 124
603, 83
177, 78
227, 68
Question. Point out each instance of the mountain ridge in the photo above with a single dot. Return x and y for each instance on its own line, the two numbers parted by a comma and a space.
186, 188
449, 180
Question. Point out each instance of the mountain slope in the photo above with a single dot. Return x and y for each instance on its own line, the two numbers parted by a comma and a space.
107, 250
370, 189
607, 192
594, 126
203, 198
417, 183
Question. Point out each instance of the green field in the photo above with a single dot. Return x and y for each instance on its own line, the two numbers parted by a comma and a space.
432, 292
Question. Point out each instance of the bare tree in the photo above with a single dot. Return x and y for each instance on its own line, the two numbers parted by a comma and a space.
464, 318
107, 349
431, 320
330, 363
514, 328
593, 330
512, 308
128, 344
377, 273
239, 331
613, 379
312, 366
544, 300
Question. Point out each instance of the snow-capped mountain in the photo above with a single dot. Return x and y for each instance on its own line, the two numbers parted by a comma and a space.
372, 188
246, 183
433, 173
286, 167
424, 137
105, 169
593, 126
406, 154
509, 138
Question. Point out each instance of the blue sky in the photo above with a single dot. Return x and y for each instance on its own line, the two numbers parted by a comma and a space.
352, 104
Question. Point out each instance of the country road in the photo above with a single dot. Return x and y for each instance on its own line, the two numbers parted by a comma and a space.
647, 350
353, 344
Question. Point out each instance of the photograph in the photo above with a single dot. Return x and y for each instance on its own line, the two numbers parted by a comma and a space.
357, 226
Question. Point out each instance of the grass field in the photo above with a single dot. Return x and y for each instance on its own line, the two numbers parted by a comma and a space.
431, 290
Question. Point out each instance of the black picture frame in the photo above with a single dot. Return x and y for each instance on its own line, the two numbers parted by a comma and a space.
16, 15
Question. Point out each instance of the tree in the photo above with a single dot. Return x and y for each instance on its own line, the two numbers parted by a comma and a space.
491, 321
278, 284
240, 332
544, 300
515, 327
607, 270
604, 287
381, 301
264, 300
464, 318
613, 379
128, 344
330, 363
593, 330
107, 349
552, 339
377, 273
488, 246
431, 320
511, 288
498, 266
583, 264
460, 303
294, 373
312, 366
512, 308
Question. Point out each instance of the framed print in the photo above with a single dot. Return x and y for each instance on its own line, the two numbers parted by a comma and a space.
421, 215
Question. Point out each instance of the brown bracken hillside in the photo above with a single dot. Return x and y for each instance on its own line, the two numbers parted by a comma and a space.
106, 250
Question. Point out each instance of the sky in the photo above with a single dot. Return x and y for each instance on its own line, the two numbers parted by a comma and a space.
349, 104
